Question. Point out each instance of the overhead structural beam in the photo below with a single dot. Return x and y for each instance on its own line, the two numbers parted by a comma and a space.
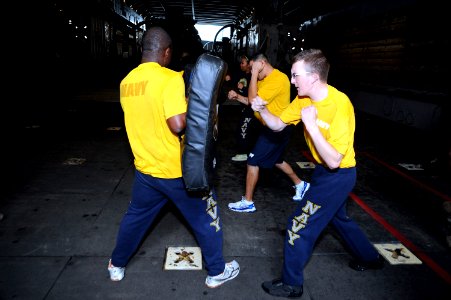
192, 9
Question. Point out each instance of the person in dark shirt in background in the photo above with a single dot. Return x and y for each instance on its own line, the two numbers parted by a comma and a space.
248, 126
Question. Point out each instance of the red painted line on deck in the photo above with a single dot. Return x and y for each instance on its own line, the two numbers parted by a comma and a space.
406, 242
415, 181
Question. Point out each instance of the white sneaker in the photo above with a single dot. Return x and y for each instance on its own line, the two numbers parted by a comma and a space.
116, 273
242, 206
240, 157
231, 270
301, 189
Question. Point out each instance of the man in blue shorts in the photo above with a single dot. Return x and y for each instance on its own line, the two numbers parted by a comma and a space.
273, 86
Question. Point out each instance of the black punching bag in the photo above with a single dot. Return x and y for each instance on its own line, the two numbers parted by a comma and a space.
200, 137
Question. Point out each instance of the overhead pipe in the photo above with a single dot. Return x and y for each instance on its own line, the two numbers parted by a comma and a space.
192, 9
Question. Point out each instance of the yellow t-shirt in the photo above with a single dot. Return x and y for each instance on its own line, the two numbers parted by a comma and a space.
336, 121
150, 94
274, 89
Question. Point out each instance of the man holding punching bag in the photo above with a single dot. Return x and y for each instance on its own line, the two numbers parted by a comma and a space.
153, 100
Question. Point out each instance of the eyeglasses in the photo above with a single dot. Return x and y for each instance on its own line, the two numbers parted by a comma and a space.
294, 75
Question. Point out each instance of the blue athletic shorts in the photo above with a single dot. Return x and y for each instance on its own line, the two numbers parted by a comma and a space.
270, 147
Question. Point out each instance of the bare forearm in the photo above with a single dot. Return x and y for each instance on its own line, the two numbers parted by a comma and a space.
177, 124
328, 154
252, 91
242, 99
273, 122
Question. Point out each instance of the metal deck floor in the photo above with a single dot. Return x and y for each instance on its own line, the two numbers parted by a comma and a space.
62, 215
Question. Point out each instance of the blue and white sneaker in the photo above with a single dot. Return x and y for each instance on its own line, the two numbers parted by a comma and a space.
242, 206
301, 189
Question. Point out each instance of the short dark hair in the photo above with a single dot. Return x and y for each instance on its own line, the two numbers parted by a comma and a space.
156, 39
260, 56
315, 62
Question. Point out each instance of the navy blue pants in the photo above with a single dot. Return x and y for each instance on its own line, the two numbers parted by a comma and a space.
149, 195
324, 203
248, 130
